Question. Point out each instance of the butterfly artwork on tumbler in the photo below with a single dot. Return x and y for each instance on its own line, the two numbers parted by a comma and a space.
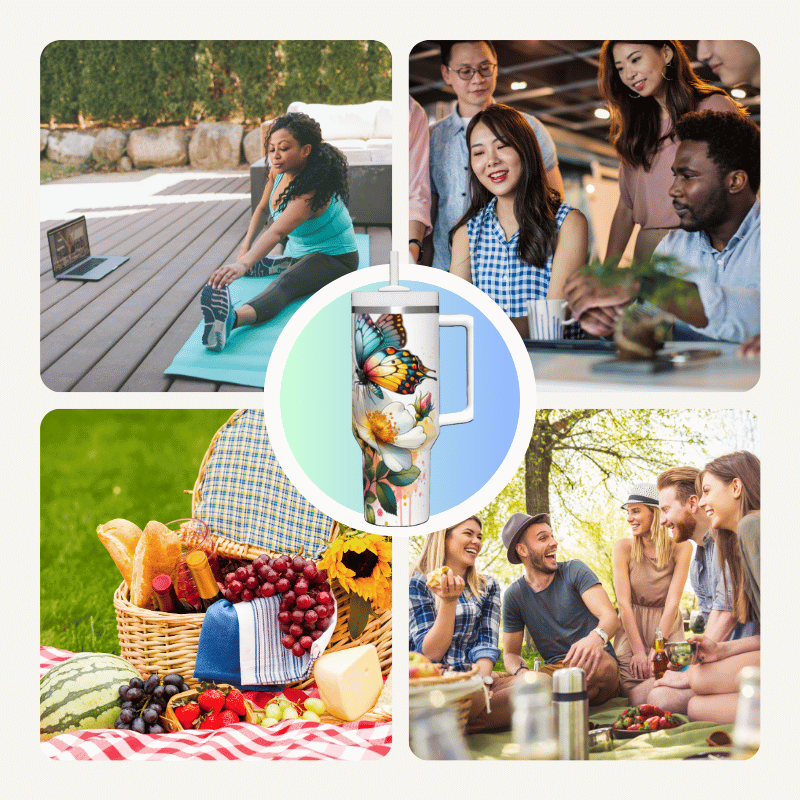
381, 361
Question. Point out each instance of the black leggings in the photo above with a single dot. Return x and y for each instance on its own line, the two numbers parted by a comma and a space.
306, 276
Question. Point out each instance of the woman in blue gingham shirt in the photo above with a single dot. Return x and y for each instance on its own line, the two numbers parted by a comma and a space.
517, 241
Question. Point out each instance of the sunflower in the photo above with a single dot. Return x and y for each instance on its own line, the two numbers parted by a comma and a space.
362, 563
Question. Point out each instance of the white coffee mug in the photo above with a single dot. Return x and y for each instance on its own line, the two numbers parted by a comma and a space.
547, 318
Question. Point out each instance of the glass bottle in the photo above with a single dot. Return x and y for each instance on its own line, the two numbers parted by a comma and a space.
747, 727
435, 734
207, 587
532, 721
660, 659
166, 599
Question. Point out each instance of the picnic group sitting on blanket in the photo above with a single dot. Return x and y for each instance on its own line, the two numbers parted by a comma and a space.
689, 177
305, 202
570, 617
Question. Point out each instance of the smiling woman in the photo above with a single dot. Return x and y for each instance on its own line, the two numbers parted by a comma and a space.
650, 572
454, 617
649, 86
517, 241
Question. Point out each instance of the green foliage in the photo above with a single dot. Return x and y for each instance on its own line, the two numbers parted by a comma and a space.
337, 72
59, 82
97, 466
170, 81
662, 277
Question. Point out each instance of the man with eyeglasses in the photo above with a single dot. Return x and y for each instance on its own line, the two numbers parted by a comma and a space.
471, 69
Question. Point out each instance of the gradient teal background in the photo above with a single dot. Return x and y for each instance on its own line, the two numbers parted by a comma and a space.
316, 405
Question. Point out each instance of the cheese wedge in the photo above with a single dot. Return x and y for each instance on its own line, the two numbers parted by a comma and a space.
349, 681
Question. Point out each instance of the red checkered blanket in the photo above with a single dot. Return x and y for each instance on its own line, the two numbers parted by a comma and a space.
291, 740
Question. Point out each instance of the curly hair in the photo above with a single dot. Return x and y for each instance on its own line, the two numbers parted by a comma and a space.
734, 142
325, 170
535, 202
636, 121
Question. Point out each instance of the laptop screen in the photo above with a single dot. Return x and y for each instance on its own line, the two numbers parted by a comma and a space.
69, 244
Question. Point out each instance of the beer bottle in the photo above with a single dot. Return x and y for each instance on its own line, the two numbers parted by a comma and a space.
747, 728
660, 659
204, 579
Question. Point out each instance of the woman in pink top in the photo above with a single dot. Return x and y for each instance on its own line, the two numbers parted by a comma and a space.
648, 86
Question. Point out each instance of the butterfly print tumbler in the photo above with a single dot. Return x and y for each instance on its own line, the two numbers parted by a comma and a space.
396, 398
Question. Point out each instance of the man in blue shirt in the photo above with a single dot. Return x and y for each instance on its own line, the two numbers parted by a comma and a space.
717, 174
470, 68
681, 513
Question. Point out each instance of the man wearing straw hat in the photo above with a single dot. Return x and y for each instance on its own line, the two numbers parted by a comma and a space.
564, 607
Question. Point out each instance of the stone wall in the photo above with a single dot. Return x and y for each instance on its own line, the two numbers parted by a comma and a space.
210, 146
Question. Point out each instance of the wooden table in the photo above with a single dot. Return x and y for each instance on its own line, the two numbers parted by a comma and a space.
564, 371
177, 226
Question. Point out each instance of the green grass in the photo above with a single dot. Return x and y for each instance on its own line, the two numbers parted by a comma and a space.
52, 171
98, 465
528, 653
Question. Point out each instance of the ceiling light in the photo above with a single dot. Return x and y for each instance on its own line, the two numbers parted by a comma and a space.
602, 113
518, 86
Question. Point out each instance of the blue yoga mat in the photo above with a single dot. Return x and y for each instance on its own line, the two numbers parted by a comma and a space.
246, 355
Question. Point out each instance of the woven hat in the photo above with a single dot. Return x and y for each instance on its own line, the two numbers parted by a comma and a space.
513, 531
645, 494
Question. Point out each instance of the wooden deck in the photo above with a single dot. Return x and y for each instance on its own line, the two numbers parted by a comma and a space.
120, 333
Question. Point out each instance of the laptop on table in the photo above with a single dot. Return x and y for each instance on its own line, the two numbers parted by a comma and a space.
71, 257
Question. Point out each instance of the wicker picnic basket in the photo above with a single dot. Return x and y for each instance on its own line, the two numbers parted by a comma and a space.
155, 642
453, 684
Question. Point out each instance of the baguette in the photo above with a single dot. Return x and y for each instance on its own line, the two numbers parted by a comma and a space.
157, 552
120, 538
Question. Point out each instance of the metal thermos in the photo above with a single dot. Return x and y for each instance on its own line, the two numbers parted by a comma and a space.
435, 734
396, 380
571, 704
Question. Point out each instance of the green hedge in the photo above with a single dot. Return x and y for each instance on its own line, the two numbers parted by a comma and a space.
146, 82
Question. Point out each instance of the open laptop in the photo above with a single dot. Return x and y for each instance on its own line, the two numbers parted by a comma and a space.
71, 257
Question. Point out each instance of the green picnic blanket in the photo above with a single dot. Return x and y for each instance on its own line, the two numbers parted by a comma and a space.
675, 743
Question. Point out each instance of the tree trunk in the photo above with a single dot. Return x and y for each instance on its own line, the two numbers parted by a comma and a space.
538, 460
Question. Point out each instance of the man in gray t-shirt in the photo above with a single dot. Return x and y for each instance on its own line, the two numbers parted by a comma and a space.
564, 607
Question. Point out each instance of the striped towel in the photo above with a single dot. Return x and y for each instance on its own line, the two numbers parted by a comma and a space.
262, 657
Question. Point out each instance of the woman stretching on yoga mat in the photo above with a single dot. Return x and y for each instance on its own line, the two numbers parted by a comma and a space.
306, 195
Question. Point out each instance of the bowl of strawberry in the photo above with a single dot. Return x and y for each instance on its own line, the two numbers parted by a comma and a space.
208, 707
307, 605
646, 718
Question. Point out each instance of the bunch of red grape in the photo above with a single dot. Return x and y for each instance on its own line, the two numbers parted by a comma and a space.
307, 600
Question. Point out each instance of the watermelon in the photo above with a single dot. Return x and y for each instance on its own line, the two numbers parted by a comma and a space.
82, 693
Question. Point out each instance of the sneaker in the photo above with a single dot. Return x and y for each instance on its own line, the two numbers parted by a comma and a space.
218, 316
269, 265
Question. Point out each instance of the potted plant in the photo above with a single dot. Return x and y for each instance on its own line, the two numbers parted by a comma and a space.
643, 327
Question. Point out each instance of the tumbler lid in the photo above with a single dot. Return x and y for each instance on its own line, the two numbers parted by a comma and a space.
394, 298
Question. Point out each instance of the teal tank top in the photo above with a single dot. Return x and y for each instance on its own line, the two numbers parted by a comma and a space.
331, 232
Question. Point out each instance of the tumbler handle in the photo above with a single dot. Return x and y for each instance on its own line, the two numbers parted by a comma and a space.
466, 322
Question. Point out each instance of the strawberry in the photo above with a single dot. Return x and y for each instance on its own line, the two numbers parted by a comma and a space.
211, 700
227, 717
187, 714
212, 721
648, 710
235, 702
653, 722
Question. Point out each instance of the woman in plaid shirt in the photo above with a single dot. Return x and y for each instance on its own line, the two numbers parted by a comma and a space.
517, 241
456, 622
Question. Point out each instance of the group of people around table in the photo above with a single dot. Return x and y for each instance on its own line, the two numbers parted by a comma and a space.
456, 619
486, 182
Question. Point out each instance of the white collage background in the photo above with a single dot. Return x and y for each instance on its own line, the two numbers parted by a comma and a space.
28, 28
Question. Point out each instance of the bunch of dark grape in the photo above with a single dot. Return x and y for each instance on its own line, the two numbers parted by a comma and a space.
143, 702
306, 598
